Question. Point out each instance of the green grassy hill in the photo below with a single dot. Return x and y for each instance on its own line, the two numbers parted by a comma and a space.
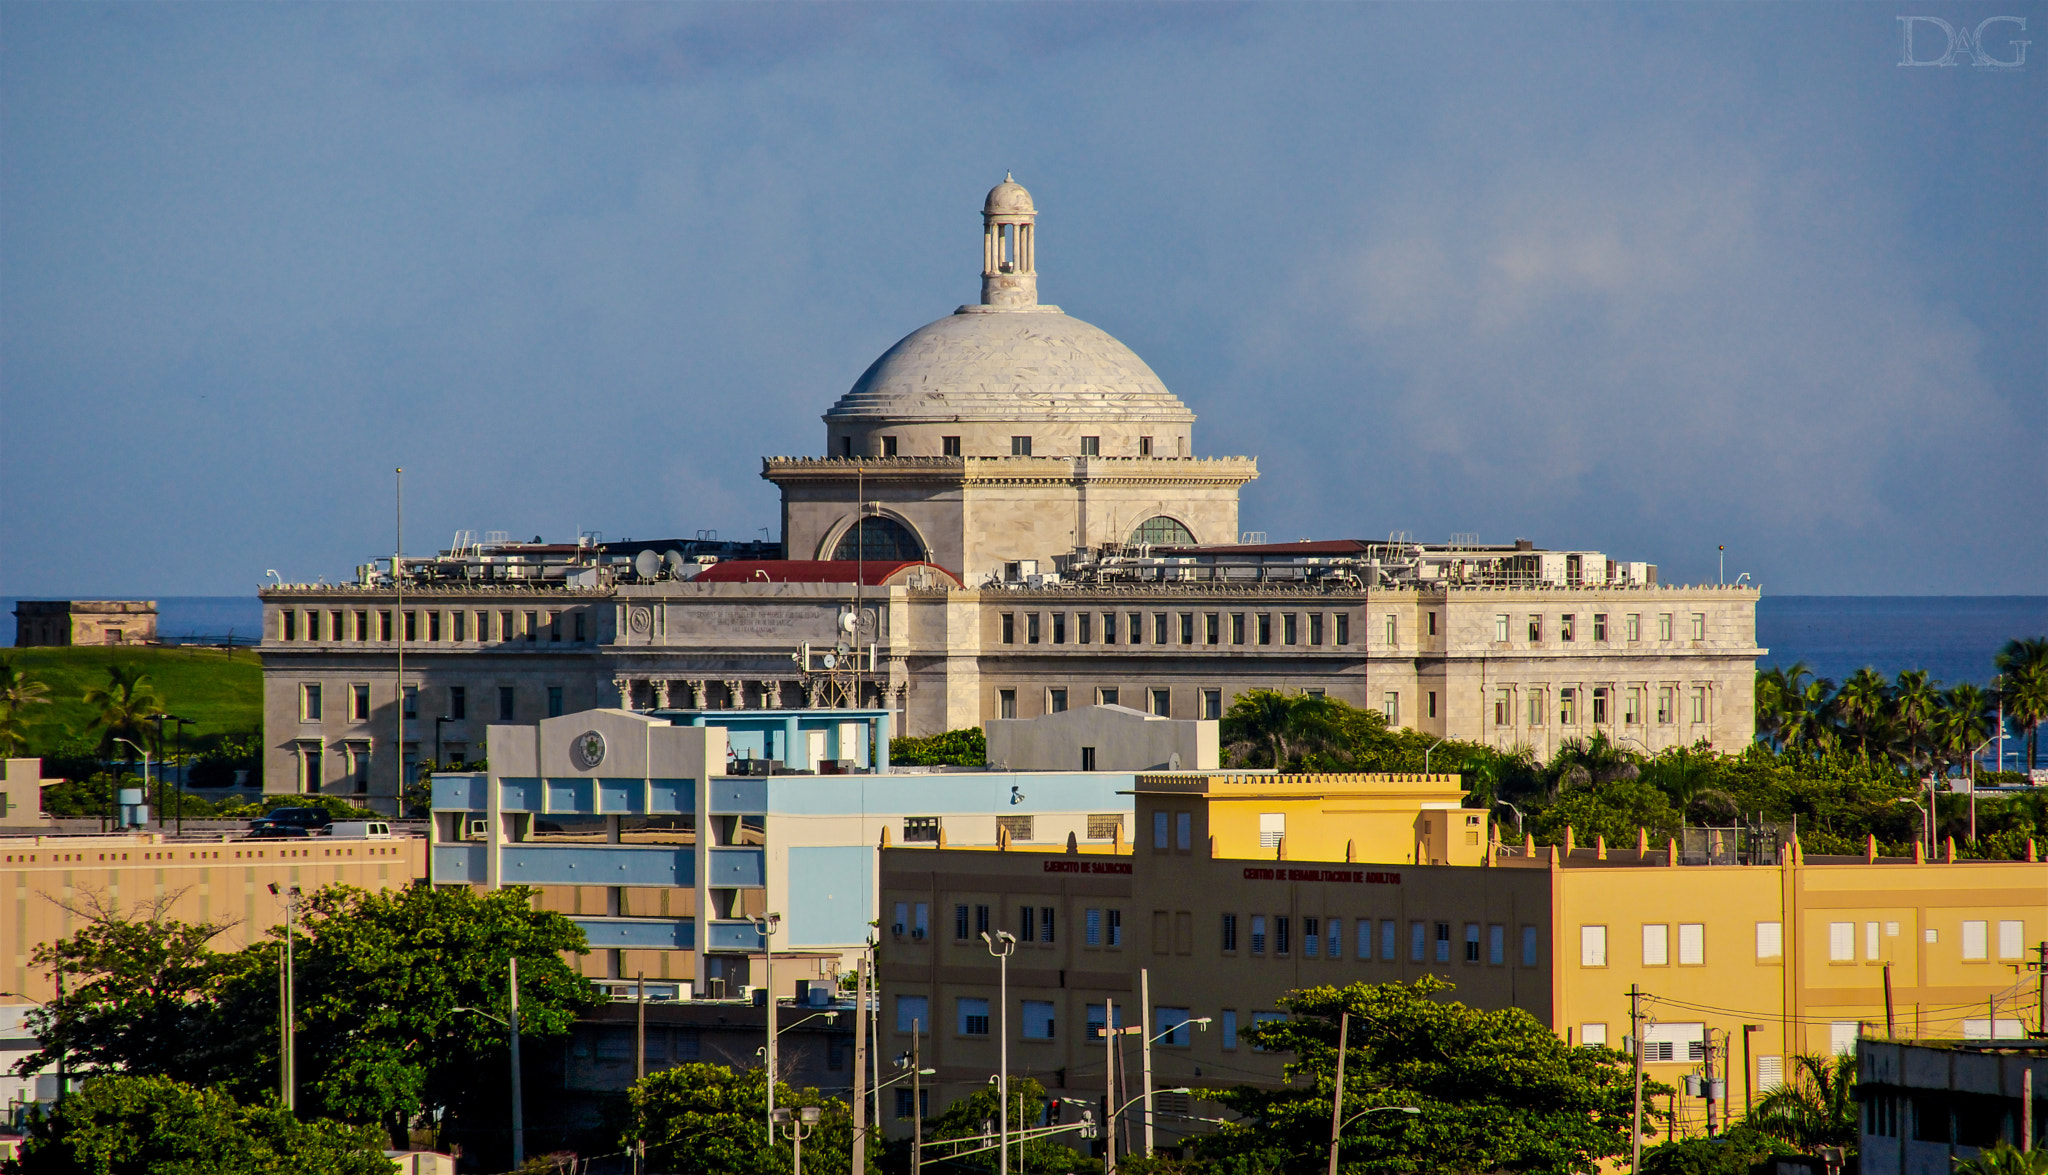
221, 691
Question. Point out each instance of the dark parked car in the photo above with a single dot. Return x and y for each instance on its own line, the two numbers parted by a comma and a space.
277, 831
308, 822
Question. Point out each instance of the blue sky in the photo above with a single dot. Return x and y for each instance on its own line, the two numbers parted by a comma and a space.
1637, 278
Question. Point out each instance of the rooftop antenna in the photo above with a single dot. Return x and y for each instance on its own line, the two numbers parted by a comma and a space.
398, 631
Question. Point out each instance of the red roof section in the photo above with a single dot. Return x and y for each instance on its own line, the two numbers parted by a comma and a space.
873, 573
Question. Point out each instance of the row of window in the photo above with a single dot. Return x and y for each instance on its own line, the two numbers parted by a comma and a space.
1568, 630
364, 624
1691, 942
1038, 1020
1175, 628
1976, 940
1426, 941
1100, 926
313, 704
1020, 446
1577, 705
1154, 700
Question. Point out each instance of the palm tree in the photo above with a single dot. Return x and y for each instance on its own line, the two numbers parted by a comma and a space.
1863, 702
1961, 728
1807, 724
17, 690
2023, 663
1916, 701
1816, 1109
1771, 687
124, 704
1283, 726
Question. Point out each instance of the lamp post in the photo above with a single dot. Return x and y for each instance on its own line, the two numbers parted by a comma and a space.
57, 1003
1146, 1042
796, 1127
1426, 754
511, 1025
766, 924
287, 1028
1002, 946
144, 752
182, 767
157, 795
1338, 1130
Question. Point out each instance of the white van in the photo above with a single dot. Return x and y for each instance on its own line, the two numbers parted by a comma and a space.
360, 829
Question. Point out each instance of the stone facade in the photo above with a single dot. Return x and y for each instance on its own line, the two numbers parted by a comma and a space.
62, 623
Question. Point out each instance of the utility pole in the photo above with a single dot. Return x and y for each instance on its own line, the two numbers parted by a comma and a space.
1109, 1106
1337, 1100
1707, 1085
1890, 1022
640, 1058
518, 1102
860, 1067
1635, 1036
916, 1100
1746, 1030
1145, 1054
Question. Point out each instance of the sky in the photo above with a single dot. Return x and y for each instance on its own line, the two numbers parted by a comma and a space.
1646, 279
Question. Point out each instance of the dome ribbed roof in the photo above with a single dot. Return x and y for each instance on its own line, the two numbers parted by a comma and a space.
1028, 366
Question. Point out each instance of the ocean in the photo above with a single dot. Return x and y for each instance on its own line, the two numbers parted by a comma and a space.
1953, 637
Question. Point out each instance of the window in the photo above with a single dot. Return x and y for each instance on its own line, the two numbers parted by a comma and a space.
1333, 938
1842, 1036
1187, 628
1212, 628
313, 625
1699, 703
1159, 628
1056, 701
1059, 628
888, 446
1092, 935
1272, 827
1418, 939
921, 828
458, 702
1390, 705
1212, 704
309, 702
1535, 629
1230, 932
1692, 944
1031, 628
1109, 628
412, 701
1842, 942
1265, 628
1443, 942
1503, 707
1261, 1019
1432, 703
980, 920
1161, 531
1471, 942
1258, 934
579, 627
1870, 951
1343, 628
1593, 1035
412, 626
2009, 934
1537, 714
913, 1013
1770, 1073
1184, 831
1098, 1017
959, 922
1159, 834
1091, 446
504, 703
1656, 945
1104, 825
1592, 946
1568, 706
949, 446
1135, 627
362, 628
1038, 1022
1144, 446
1600, 705
1632, 626
1280, 928
1664, 705
1496, 944
1567, 627
1500, 628
1170, 1026
846, 446
290, 621
1386, 941
1115, 929
311, 765
1006, 703
554, 701
1020, 446
1162, 703
384, 625
1632, 708
1015, 827
1528, 946
1311, 938
1699, 626
1045, 922
1432, 623
1974, 941
973, 1016
1393, 631
1229, 1028
1664, 626
906, 1097
359, 702
1009, 622
1287, 629
1083, 628
1770, 940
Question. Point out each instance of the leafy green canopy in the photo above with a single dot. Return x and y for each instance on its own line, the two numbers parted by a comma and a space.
965, 1119
967, 747
1497, 1090
709, 1119
379, 979
149, 1125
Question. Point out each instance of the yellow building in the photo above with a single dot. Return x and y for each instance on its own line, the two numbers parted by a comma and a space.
1240, 888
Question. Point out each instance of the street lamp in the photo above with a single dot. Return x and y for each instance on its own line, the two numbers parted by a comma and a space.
511, 1024
796, 1128
1355, 1117
1926, 825
62, 1080
1337, 1119
766, 924
287, 1034
1002, 946
1146, 1042
144, 752
1426, 754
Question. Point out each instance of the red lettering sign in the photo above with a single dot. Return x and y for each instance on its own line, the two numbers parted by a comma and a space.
1066, 866
1351, 876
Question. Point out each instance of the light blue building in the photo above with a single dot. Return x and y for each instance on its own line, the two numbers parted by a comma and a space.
636, 826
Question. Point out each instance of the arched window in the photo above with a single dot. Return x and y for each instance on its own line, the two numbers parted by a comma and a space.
1161, 531
883, 540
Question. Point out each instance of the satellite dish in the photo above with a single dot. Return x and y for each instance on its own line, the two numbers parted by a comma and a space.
646, 564
848, 622
673, 560
831, 661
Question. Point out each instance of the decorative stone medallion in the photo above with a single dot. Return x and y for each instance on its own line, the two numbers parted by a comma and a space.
587, 751
642, 620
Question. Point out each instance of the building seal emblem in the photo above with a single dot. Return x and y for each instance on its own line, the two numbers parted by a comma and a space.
587, 750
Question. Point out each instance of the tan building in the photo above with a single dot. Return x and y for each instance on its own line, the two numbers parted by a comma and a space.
1239, 889
63, 623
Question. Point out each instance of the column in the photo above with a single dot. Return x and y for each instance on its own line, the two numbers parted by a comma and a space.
696, 694
661, 693
624, 685
796, 750
771, 695
882, 744
738, 692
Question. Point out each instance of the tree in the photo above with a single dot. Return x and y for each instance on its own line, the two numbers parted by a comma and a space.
17, 692
1272, 728
1736, 1152
966, 1118
151, 1125
715, 1122
2003, 1158
125, 703
966, 747
2023, 664
1816, 1108
1916, 703
1498, 1091
1863, 703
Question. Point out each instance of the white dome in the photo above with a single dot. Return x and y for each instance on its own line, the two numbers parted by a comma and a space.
1013, 367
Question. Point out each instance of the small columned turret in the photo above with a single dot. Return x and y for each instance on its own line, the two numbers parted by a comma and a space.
1009, 268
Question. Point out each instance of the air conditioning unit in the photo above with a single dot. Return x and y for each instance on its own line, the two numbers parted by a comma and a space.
918, 934
897, 930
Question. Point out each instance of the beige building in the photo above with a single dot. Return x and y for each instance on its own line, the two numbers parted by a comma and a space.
1238, 889
1087, 556
63, 623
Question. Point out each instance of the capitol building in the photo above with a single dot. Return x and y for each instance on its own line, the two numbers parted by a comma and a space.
1010, 517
